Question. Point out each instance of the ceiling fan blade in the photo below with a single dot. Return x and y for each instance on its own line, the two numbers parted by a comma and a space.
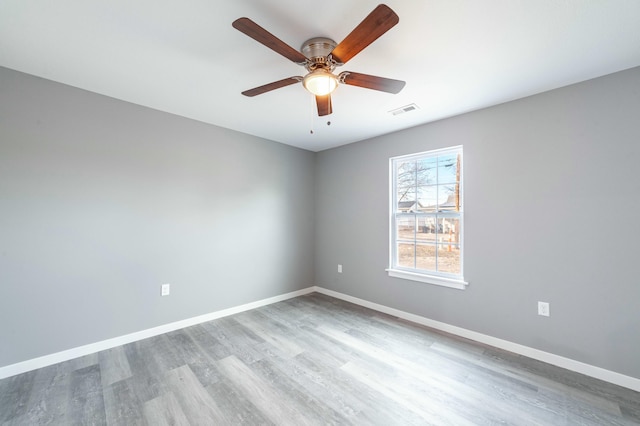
324, 105
272, 86
378, 22
371, 82
259, 34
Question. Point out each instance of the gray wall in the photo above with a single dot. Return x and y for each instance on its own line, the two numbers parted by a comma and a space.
102, 201
552, 214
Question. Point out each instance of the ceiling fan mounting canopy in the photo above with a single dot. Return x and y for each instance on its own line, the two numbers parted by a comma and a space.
321, 55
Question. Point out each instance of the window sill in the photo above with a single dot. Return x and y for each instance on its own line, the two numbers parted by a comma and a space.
429, 279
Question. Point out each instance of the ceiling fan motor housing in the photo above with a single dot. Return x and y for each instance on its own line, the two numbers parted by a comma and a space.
318, 50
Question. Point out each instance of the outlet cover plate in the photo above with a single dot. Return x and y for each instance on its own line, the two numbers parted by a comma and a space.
166, 289
543, 309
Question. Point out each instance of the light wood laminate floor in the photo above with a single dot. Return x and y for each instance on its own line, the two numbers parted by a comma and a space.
310, 360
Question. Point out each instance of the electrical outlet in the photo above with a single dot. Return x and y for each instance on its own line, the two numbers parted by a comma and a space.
166, 289
339, 269
543, 309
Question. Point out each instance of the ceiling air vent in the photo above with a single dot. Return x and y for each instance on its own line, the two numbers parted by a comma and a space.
404, 109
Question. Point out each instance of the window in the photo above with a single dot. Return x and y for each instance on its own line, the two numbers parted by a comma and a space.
426, 217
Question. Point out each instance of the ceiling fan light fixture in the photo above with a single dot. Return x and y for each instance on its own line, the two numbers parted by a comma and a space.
320, 82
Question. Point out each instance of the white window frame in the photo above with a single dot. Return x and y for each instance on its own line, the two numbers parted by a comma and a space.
432, 277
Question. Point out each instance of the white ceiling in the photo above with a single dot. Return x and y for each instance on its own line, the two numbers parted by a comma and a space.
184, 57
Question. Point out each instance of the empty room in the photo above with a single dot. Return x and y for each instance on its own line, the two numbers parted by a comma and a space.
293, 212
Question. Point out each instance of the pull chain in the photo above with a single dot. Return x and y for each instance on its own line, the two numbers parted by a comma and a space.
311, 120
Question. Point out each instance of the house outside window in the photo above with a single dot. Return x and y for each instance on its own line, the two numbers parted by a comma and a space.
426, 220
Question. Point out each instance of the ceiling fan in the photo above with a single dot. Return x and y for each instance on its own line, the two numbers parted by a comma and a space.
320, 56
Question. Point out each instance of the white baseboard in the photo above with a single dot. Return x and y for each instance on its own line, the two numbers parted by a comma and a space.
559, 361
44, 361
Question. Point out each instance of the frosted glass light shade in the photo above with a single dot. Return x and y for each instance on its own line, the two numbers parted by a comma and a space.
320, 82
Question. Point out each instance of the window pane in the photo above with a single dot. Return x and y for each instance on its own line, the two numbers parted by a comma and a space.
449, 258
406, 200
447, 168
426, 229
447, 200
427, 171
406, 174
426, 257
427, 198
406, 227
449, 231
406, 255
